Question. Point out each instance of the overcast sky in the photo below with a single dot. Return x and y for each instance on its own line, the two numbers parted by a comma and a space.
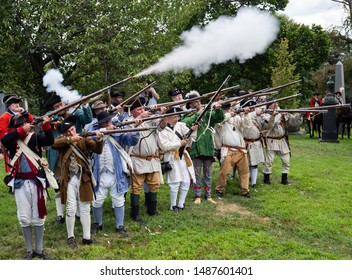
323, 12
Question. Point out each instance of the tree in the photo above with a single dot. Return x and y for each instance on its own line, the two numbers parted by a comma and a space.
344, 32
92, 43
96, 43
283, 73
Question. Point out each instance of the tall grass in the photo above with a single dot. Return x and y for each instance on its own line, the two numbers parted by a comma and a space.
309, 220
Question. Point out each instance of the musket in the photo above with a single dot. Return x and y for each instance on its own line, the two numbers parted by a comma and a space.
278, 87
267, 93
201, 115
79, 101
203, 96
274, 101
328, 106
135, 95
294, 111
156, 117
237, 98
115, 131
209, 94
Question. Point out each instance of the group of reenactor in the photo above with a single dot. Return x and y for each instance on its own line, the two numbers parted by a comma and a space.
95, 149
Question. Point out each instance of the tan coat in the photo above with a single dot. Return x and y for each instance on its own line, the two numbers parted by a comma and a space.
86, 144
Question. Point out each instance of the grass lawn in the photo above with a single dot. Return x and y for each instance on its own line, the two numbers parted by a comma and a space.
309, 220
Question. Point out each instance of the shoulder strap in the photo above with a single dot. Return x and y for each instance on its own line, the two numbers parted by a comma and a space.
82, 156
122, 152
23, 148
178, 134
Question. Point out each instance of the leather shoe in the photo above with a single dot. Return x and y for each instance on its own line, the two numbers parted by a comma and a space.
181, 208
89, 241
59, 220
71, 242
246, 195
96, 228
175, 209
44, 256
29, 255
197, 200
121, 230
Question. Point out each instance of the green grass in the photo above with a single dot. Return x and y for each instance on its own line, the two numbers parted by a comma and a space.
309, 220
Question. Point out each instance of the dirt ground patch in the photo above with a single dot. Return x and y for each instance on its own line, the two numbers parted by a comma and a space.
224, 208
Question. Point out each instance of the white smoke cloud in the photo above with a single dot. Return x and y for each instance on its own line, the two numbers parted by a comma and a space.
227, 38
53, 82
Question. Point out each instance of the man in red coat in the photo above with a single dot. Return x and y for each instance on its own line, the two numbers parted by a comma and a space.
13, 108
315, 101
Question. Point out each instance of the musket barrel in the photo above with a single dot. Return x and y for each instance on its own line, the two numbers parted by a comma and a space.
328, 106
116, 131
274, 101
81, 100
156, 117
203, 96
295, 111
135, 95
238, 98
278, 87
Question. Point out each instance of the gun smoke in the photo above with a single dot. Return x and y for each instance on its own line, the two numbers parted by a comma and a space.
227, 38
52, 80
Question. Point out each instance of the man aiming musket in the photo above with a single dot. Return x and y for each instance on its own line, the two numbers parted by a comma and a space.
83, 116
112, 171
276, 138
145, 161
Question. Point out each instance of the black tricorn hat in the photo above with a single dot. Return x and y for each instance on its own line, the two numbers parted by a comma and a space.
10, 99
51, 101
138, 102
66, 124
175, 92
226, 106
240, 92
18, 120
118, 93
104, 116
246, 102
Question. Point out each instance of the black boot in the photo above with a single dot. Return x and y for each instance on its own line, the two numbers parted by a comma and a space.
135, 209
151, 206
267, 179
284, 179
146, 195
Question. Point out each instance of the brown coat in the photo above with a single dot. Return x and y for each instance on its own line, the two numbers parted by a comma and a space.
86, 145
